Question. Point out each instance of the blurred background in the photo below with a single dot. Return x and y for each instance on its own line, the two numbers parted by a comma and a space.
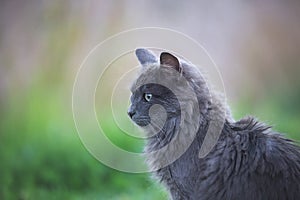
42, 44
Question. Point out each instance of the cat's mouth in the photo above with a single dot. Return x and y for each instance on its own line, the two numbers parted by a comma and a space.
141, 121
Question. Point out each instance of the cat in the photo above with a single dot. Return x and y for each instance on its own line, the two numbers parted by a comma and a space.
249, 160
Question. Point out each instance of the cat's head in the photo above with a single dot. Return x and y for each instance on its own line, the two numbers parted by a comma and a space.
151, 88
166, 81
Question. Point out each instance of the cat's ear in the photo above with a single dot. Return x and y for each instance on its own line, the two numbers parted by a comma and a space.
145, 56
168, 59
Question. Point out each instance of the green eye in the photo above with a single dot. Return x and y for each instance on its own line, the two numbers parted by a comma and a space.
147, 96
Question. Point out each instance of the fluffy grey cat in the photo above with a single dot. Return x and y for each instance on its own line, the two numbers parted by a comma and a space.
248, 160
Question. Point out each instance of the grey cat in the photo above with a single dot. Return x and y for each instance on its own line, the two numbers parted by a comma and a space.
248, 161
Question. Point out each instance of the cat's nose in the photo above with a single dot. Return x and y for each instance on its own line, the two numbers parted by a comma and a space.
131, 113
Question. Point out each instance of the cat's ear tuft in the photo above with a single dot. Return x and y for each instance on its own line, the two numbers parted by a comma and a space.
145, 56
168, 59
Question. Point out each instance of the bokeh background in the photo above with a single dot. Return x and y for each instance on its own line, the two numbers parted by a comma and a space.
256, 46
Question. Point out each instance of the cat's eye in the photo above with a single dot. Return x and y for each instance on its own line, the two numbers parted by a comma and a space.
147, 96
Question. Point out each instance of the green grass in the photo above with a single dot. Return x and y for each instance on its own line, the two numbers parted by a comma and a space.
42, 157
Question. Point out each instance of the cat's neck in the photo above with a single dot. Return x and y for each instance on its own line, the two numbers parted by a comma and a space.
160, 138
171, 128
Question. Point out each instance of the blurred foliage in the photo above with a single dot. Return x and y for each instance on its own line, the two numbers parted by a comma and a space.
42, 44
43, 158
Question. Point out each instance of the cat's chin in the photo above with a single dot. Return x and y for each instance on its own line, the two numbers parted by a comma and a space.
142, 122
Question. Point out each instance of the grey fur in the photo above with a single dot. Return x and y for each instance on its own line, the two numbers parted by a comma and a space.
249, 160
145, 56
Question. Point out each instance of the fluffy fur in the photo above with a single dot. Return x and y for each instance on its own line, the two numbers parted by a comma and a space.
249, 160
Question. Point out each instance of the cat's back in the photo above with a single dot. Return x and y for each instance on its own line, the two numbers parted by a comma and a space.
250, 161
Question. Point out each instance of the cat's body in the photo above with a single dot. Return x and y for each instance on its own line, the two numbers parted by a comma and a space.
249, 160
247, 163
